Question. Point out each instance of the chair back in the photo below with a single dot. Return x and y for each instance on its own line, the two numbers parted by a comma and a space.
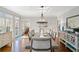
41, 43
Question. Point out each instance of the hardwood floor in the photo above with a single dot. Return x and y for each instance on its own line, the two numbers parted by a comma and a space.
6, 48
62, 48
25, 40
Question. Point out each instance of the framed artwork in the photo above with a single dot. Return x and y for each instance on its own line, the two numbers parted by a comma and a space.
72, 22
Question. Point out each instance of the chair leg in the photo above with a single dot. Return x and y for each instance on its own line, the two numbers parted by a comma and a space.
53, 50
51, 45
31, 46
30, 50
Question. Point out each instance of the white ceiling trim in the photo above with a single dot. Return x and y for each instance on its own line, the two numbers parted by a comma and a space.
35, 11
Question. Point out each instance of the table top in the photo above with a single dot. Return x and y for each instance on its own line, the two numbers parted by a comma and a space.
38, 37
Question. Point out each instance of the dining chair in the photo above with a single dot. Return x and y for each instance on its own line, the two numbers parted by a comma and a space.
41, 44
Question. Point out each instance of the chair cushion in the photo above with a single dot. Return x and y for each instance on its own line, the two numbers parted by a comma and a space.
54, 44
41, 44
41, 51
28, 46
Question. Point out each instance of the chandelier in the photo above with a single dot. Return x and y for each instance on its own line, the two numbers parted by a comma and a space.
42, 20
42, 24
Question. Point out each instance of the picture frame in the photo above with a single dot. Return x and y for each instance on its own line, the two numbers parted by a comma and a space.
74, 21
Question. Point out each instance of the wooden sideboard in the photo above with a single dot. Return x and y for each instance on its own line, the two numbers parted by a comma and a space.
5, 38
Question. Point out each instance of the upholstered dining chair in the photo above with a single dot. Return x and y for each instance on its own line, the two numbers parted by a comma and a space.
31, 34
41, 44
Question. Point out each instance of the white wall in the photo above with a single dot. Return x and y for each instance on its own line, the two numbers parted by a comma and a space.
52, 23
72, 12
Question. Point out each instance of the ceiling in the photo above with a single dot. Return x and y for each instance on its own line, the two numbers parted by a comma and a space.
35, 11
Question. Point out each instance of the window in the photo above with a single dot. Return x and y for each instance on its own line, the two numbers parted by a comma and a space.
9, 22
2, 23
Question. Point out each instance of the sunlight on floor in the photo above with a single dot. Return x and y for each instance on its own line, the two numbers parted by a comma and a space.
19, 44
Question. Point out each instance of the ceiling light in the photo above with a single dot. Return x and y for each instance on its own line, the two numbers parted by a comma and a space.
42, 20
